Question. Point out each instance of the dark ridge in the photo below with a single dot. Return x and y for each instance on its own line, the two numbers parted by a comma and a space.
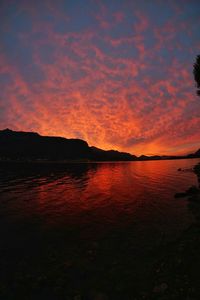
195, 154
25, 146
19, 145
111, 155
30, 145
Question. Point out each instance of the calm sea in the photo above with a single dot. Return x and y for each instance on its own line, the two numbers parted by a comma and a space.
98, 196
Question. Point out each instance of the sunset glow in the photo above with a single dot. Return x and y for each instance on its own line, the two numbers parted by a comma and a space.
117, 74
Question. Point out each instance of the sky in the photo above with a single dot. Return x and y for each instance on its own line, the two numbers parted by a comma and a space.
116, 73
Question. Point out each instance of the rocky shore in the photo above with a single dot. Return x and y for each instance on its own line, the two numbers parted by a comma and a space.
178, 268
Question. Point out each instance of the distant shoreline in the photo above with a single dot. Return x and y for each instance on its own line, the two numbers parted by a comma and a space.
62, 162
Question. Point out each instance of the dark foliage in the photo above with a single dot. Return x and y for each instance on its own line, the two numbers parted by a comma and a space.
196, 72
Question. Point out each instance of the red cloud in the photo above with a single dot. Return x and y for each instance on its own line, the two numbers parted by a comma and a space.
138, 104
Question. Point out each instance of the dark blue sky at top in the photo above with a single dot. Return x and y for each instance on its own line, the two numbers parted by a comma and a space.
82, 14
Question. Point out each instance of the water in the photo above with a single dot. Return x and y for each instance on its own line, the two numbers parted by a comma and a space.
70, 210
98, 194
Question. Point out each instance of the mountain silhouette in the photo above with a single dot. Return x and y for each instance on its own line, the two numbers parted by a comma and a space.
19, 145
25, 146
100, 155
195, 154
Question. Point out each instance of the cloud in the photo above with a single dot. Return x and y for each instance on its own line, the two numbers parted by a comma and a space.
121, 80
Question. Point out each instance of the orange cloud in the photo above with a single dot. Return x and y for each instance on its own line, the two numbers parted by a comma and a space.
116, 91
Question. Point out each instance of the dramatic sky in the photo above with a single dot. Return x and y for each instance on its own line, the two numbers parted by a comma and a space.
115, 73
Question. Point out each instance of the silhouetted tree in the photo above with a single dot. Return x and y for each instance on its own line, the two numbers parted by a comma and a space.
196, 72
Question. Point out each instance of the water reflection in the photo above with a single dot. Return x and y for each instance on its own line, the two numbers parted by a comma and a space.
98, 193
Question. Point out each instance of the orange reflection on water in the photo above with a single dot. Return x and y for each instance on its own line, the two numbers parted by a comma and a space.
109, 192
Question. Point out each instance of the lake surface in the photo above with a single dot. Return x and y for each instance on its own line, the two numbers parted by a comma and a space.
99, 195
70, 210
